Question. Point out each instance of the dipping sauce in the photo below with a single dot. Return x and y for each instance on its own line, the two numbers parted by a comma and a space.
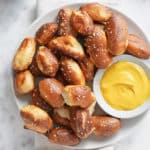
125, 85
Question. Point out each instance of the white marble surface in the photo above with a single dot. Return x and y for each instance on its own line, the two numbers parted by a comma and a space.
15, 16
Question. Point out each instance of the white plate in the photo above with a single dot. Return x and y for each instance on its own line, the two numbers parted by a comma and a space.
92, 142
105, 106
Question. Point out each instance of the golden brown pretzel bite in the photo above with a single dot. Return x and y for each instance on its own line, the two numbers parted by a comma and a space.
38, 101
64, 22
62, 116
96, 44
105, 126
87, 68
68, 45
24, 55
24, 82
117, 34
36, 119
82, 22
45, 33
47, 62
63, 136
138, 47
51, 90
97, 11
81, 122
71, 71
78, 95
34, 68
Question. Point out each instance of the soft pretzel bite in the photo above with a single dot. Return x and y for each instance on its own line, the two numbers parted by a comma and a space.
68, 45
81, 122
78, 95
60, 78
34, 68
24, 55
105, 126
96, 44
51, 90
87, 68
46, 32
91, 108
47, 62
64, 22
82, 22
97, 11
71, 71
24, 82
38, 101
138, 47
61, 116
117, 34
63, 136
36, 119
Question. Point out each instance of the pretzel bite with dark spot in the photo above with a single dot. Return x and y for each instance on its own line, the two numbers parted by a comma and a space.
38, 101
105, 126
117, 34
71, 71
96, 45
61, 116
24, 55
78, 95
63, 136
51, 90
47, 62
36, 119
60, 78
138, 47
82, 22
97, 11
46, 32
87, 68
81, 122
34, 68
68, 45
24, 82
64, 22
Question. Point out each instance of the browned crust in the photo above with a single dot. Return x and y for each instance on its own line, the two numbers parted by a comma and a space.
81, 122
38, 101
24, 55
87, 68
71, 71
63, 136
34, 121
82, 22
78, 95
45, 33
47, 62
51, 90
24, 82
105, 126
96, 45
34, 68
64, 21
117, 34
60, 120
68, 45
97, 11
138, 47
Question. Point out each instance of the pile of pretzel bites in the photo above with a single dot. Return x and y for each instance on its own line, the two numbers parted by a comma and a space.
65, 55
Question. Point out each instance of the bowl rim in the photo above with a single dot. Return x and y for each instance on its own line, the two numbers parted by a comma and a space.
123, 114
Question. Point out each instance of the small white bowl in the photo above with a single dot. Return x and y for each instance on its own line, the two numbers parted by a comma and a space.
102, 102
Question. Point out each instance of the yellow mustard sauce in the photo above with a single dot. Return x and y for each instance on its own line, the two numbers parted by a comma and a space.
125, 85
